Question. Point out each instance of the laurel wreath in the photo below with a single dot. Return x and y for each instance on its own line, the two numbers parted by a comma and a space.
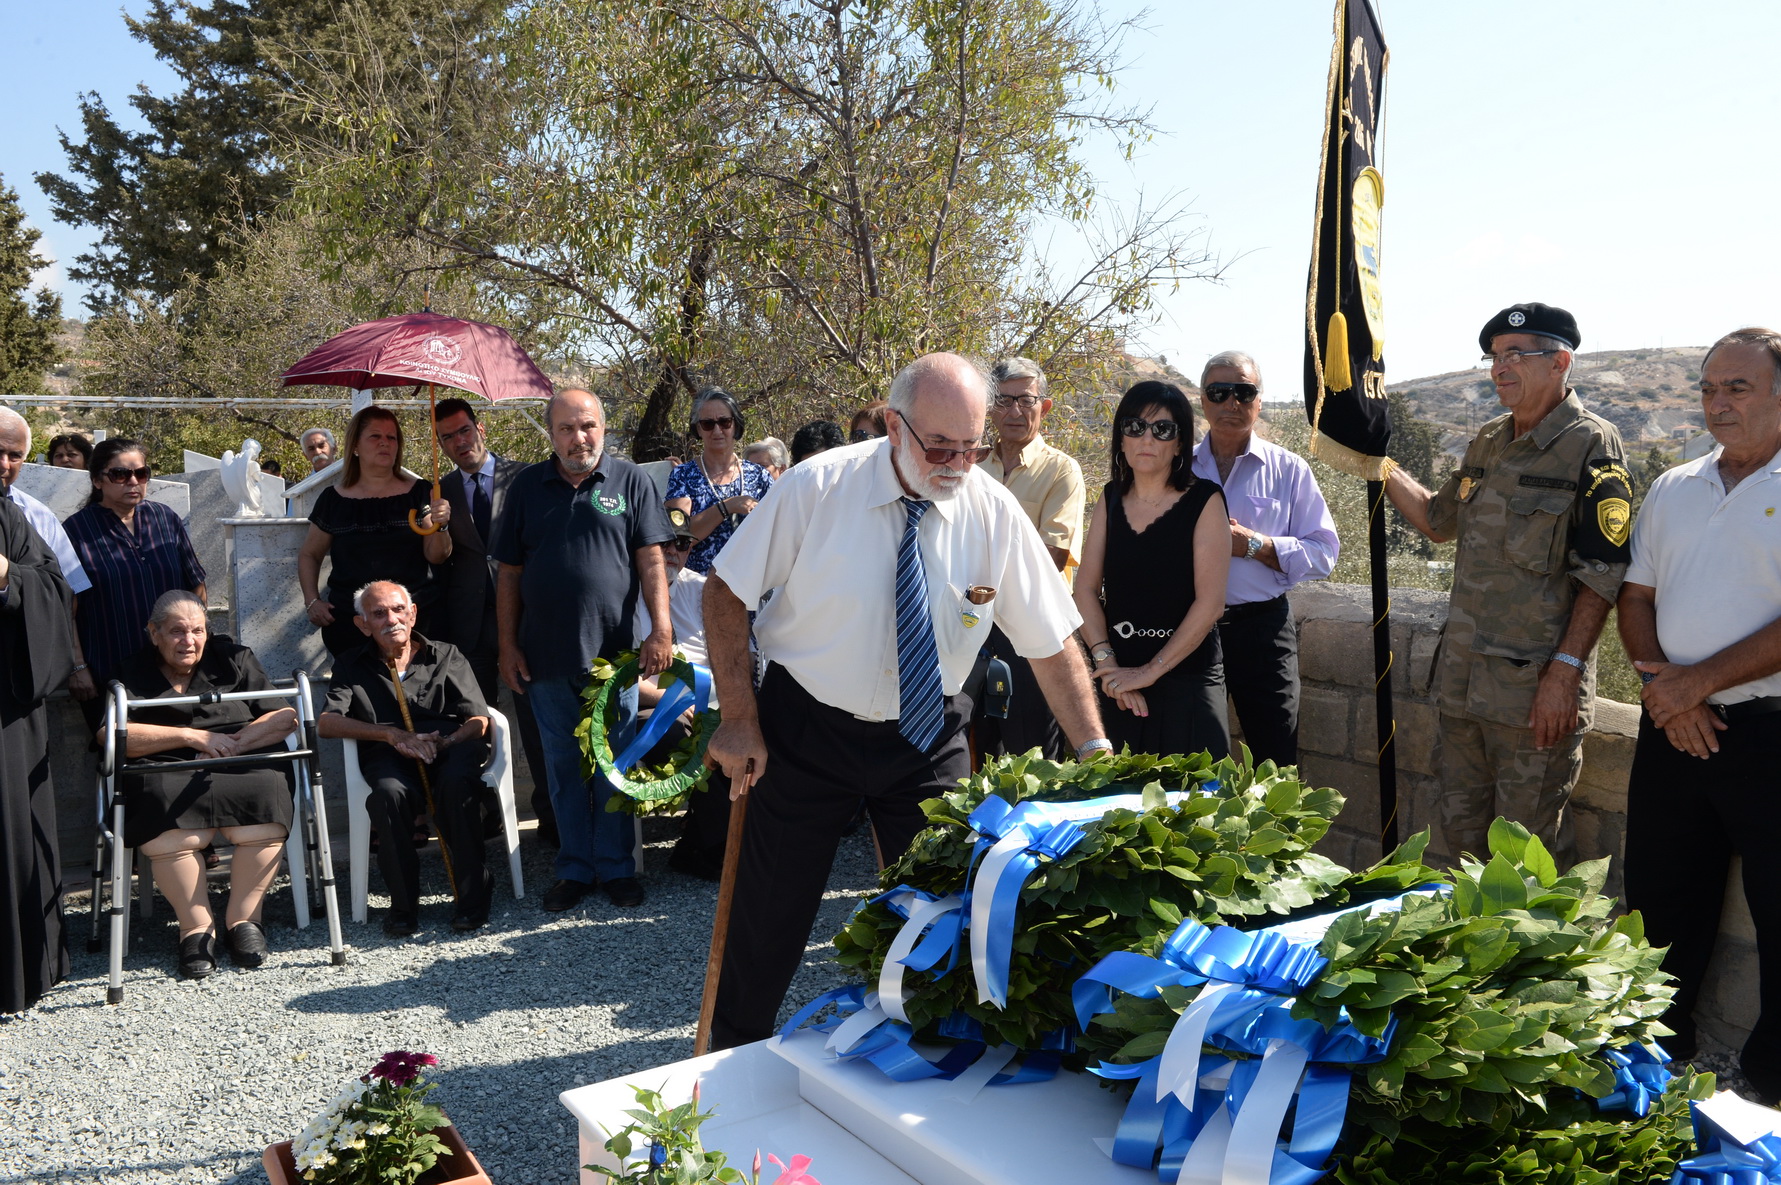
647, 789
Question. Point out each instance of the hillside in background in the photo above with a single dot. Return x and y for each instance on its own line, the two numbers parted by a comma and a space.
1650, 395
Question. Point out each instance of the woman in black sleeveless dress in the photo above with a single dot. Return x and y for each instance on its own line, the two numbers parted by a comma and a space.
1151, 585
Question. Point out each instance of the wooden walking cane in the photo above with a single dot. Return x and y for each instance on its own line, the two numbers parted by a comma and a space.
720, 922
426, 783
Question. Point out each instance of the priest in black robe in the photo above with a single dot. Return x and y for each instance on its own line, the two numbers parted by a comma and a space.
36, 657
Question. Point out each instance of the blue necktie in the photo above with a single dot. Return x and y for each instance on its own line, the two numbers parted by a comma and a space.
918, 661
479, 507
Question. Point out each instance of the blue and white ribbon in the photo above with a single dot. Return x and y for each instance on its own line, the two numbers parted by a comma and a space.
1216, 1120
1724, 1160
674, 701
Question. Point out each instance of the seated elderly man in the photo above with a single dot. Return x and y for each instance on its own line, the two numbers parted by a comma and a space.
418, 714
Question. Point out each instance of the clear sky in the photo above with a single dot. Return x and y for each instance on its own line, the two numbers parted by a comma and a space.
1615, 157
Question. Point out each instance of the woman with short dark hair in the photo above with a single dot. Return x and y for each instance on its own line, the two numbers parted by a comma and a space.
71, 450
716, 489
133, 550
1151, 585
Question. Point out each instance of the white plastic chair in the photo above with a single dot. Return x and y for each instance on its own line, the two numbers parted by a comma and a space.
498, 774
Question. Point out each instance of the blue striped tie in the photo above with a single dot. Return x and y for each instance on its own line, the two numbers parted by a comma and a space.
918, 660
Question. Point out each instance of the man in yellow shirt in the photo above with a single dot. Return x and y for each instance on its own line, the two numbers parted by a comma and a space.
1047, 482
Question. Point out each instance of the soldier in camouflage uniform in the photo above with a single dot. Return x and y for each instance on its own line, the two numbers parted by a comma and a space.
1541, 508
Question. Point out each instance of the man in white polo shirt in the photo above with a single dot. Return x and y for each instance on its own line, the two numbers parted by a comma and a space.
892, 560
1700, 614
15, 446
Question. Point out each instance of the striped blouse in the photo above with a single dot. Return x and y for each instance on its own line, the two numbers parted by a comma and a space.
129, 570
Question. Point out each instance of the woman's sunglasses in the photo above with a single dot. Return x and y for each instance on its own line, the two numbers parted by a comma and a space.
724, 422
118, 475
1221, 392
1161, 429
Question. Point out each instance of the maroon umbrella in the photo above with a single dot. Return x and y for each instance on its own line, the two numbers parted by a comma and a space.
423, 348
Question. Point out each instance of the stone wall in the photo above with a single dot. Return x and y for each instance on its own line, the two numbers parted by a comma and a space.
1338, 747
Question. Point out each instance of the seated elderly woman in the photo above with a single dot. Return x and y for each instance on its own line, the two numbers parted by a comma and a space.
417, 711
170, 817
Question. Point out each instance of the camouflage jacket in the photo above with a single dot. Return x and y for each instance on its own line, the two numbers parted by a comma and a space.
1534, 516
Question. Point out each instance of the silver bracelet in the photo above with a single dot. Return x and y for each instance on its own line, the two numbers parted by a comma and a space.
1091, 745
1570, 660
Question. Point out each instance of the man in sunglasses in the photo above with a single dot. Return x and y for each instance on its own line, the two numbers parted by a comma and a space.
1541, 506
1281, 535
1047, 482
892, 560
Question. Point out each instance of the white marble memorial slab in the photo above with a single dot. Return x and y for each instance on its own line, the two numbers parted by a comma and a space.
65, 491
941, 1134
267, 612
755, 1097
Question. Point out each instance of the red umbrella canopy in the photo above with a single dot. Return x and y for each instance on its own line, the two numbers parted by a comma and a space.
423, 348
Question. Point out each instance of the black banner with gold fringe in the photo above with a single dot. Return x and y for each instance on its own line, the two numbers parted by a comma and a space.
1344, 316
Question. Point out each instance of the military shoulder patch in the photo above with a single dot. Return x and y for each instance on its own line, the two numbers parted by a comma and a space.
1615, 518
1607, 521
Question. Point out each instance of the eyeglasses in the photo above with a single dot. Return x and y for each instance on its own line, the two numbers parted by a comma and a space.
1024, 402
859, 434
118, 475
682, 543
1221, 392
944, 456
724, 422
1161, 429
1511, 357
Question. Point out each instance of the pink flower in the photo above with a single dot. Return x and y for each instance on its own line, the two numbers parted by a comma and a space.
401, 1067
794, 1173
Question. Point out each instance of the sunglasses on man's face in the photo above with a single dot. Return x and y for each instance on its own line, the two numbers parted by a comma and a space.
1161, 429
682, 543
945, 456
1222, 392
118, 475
724, 422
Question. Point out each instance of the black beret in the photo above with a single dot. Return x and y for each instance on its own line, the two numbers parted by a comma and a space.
1533, 317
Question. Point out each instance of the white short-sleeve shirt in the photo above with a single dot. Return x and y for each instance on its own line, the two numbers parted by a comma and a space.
1714, 560
824, 540
44, 521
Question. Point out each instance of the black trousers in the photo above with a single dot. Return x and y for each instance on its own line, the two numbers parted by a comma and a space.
397, 797
1261, 677
488, 677
821, 762
1029, 723
1685, 820
705, 830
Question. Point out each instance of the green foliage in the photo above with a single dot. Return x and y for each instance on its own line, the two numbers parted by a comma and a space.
1238, 849
1505, 991
789, 199
170, 201
28, 325
669, 1138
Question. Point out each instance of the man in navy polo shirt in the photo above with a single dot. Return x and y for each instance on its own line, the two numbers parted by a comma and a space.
578, 544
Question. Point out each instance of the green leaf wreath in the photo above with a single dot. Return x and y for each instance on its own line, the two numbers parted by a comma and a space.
648, 789
1506, 992
1240, 848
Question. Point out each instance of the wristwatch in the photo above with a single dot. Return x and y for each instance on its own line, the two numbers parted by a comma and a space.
1093, 743
1255, 545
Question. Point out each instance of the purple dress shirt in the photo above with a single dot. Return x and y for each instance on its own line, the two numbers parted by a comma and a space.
1271, 491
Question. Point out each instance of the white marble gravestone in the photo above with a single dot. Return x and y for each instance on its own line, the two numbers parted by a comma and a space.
199, 462
212, 506
299, 499
267, 614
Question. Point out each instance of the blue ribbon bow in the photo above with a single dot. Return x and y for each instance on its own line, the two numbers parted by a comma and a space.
1725, 1161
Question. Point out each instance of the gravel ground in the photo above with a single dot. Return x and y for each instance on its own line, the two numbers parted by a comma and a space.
188, 1081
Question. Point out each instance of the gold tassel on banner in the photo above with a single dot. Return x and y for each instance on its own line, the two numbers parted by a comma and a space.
1336, 375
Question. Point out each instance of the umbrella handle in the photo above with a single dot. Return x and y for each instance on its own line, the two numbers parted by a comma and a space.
414, 518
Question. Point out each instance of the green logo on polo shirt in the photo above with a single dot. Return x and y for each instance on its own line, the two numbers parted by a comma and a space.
613, 504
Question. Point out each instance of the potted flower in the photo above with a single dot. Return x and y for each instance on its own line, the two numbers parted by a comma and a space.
378, 1130
661, 1147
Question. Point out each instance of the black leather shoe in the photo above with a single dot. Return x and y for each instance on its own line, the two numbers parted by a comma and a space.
247, 944
624, 892
565, 894
463, 923
400, 923
197, 954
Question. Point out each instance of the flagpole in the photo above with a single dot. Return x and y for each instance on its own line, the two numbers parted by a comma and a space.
1384, 716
